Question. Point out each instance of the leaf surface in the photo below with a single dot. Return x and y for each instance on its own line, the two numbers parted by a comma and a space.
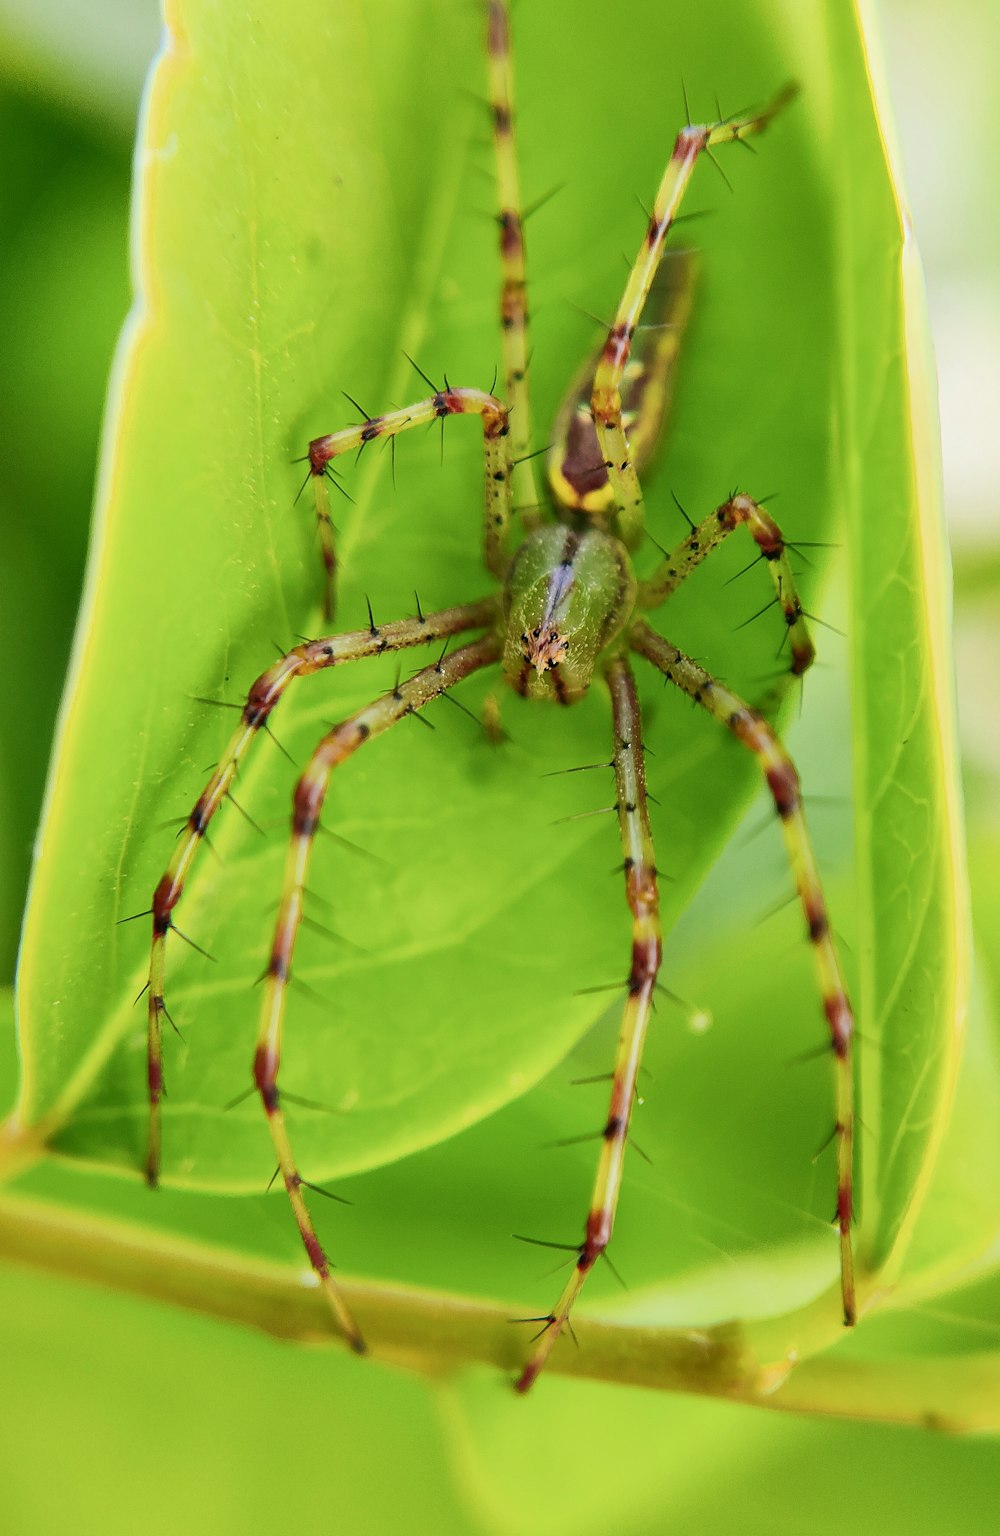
310, 208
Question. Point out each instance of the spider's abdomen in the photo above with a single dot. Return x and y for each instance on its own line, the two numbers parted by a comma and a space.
574, 464
568, 594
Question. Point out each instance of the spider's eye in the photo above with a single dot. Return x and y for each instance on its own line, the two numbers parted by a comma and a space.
536, 633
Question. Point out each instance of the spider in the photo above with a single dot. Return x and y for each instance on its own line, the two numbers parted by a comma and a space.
568, 612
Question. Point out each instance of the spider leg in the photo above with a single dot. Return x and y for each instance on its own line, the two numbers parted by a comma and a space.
644, 903
264, 695
753, 731
575, 464
606, 400
708, 535
445, 402
513, 292
334, 749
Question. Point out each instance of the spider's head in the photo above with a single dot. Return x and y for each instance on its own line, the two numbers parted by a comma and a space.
567, 595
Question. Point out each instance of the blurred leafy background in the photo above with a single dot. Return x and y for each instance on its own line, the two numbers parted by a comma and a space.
120, 1412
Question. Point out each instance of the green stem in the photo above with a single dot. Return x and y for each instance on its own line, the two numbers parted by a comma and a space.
435, 1332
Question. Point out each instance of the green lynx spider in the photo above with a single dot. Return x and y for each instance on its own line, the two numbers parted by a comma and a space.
569, 609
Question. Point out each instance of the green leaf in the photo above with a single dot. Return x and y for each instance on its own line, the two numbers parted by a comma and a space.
914, 927
309, 209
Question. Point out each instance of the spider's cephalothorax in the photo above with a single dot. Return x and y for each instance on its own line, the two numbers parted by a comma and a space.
567, 595
566, 611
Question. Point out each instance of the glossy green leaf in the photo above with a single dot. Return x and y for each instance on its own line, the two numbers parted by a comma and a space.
914, 931
309, 208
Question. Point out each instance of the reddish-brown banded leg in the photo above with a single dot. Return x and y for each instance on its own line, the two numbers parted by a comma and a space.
606, 400
514, 291
577, 473
447, 402
708, 535
313, 656
754, 732
644, 904
310, 792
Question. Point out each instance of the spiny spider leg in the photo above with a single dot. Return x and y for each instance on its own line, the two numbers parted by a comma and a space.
752, 730
606, 400
446, 402
644, 903
310, 792
577, 473
708, 535
264, 695
513, 291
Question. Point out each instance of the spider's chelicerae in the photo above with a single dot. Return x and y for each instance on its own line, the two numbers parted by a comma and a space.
568, 612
